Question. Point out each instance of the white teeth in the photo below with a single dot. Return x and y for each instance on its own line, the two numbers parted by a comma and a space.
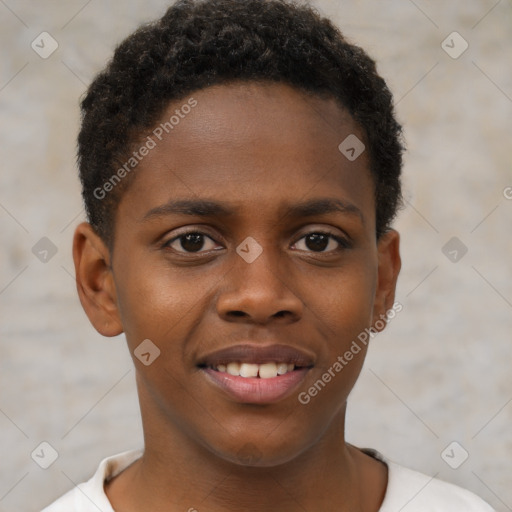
282, 368
268, 370
249, 370
264, 371
233, 368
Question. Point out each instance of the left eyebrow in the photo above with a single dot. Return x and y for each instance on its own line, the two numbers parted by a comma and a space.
323, 206
206, 208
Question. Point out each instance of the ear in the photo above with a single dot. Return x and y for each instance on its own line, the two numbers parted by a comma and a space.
388, 270
94, 280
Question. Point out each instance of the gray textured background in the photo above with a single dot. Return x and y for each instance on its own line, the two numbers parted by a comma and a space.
440, 373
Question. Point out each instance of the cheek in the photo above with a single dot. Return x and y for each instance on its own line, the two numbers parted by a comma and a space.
346, 318
158, 302
346, 303
345, 315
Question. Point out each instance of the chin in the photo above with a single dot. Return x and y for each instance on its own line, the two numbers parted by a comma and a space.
262, 454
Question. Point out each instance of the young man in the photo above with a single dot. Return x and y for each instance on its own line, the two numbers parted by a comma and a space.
240, 163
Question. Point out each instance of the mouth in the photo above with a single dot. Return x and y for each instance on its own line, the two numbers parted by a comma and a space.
253, 374
253, 370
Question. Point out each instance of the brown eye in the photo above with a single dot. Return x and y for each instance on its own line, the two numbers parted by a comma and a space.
190, 242
321, 242
317, 242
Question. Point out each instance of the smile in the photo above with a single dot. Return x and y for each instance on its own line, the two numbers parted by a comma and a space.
256, 390
253, 374
263, 371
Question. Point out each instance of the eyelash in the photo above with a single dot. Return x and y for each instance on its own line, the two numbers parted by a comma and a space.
344, 244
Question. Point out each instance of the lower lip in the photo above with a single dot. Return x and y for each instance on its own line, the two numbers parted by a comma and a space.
254, 390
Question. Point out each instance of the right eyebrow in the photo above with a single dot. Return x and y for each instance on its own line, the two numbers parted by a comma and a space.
192, 207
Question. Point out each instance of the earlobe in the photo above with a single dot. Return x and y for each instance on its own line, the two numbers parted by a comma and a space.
389, 267
94, 280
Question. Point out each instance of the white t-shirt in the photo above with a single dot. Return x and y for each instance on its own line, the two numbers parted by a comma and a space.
407, 490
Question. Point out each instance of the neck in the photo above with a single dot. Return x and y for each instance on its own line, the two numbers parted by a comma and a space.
176, 473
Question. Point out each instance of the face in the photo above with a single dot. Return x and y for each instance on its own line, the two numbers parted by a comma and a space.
245, 251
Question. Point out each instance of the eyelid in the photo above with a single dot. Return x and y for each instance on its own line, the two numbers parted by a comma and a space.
198, 231
343, 241
336, 233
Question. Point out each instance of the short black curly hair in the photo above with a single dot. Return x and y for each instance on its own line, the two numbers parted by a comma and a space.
199, 43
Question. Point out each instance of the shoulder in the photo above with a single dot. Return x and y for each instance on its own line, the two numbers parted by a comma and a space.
90, 496
70, 501
425, 493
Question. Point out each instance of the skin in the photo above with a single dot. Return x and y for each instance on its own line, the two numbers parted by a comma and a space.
256, 148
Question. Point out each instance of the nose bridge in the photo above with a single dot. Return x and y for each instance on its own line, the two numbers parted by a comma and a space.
259, 263
258, 266
257, 284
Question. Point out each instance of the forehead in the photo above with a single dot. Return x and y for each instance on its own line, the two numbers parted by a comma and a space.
254, 146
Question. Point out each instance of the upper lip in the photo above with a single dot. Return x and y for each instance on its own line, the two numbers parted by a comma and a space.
258, 354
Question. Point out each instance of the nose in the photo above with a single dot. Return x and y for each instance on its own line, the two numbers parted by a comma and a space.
259, 293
